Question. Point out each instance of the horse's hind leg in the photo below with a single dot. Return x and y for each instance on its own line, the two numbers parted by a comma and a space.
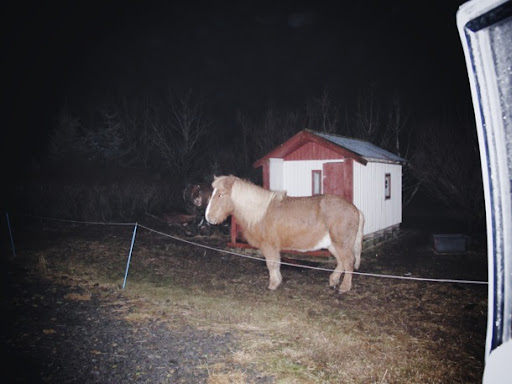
334, 279
345, 259
273, 259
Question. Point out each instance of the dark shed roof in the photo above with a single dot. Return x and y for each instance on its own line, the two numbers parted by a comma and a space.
360, 150
365, 149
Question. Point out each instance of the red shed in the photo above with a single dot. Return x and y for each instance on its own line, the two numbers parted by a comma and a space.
313, 162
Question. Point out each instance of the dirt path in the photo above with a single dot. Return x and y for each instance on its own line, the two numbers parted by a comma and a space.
60, 333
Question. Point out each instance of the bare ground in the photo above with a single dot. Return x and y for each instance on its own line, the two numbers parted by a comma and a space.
193, 315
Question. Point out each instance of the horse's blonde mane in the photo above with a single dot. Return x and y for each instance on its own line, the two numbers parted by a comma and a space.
251, 201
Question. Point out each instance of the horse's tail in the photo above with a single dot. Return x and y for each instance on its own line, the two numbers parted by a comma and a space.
358, 244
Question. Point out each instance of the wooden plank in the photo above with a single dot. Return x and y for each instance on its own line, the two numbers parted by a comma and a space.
348, 180
334, 178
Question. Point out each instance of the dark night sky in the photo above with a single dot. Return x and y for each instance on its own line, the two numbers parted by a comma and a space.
243, 56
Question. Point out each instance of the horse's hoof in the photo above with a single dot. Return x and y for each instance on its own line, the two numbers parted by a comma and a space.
273, 287
334, 281
342, 290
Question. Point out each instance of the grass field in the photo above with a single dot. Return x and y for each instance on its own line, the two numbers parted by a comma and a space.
382, 331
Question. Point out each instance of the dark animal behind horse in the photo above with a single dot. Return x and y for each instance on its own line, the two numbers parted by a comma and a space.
196, 197
272, 221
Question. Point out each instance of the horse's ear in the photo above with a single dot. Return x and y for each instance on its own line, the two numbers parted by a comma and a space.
280, 195
229, 181
215, 178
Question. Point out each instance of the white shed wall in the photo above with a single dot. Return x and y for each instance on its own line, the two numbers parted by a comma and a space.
297, 176
276, 174
369, 195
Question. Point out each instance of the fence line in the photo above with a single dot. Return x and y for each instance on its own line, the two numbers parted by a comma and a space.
130, 256
80, 222
204, 246
316, 268
13, 249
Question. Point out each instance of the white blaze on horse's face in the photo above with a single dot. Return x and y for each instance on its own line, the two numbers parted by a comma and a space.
219, 207
208, 207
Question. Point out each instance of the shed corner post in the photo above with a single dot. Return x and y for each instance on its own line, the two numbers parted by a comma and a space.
348, 181
266, 174
233, 232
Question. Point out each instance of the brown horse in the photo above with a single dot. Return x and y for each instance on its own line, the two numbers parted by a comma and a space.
272, 221
196, 197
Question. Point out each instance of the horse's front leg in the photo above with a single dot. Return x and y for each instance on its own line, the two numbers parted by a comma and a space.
273, 259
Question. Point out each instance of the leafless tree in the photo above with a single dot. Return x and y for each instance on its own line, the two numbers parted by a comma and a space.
66, 139
396, 123
97, 140
103, 137
138, 117
245, 134
322, 114
368, 116
381, 121
178, 137
386, 124
260, 136
397, 138
446, 162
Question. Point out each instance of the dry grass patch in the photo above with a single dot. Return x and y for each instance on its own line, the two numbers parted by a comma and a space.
226, 378
78, 296
383, 331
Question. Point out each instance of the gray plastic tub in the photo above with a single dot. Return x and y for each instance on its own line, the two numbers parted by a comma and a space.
450, 243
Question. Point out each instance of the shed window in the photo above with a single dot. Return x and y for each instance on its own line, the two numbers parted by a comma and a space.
316, 182
387, 186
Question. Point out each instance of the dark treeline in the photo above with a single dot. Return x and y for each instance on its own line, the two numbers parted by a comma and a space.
133, 156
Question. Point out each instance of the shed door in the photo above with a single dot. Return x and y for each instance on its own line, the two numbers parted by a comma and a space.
336, 179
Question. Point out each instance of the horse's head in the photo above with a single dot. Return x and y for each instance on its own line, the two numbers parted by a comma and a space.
200, 195
220, 205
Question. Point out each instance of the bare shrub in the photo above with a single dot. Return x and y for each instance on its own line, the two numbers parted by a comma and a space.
447, 164
42, 264
98, 202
